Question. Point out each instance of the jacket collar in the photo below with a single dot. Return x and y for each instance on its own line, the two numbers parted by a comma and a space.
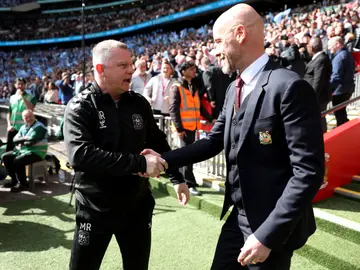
184, 83
97, 90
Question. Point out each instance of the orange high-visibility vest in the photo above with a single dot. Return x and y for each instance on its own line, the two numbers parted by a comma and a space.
189, 109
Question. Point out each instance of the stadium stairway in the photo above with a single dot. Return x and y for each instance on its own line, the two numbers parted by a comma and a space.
352, 111
351, 190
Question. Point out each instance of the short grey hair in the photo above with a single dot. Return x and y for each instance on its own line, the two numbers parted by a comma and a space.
102, 51
338, 39
140, 62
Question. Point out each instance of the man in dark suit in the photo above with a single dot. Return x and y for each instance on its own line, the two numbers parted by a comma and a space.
270, 127
318, 73
216, 83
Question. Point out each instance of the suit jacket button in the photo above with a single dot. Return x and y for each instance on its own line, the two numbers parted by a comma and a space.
233, 145
234, 122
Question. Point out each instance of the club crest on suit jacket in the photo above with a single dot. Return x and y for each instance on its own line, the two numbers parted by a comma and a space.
265, 137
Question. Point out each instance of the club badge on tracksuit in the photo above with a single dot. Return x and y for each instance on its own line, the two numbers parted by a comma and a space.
84, 234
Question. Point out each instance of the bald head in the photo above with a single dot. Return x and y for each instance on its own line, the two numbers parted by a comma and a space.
315, 45
239, 36
28, 117
241, 14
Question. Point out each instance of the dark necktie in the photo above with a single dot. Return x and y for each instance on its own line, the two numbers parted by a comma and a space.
239, 86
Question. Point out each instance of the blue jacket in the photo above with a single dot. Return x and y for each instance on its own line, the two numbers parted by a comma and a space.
66, 92
343, 70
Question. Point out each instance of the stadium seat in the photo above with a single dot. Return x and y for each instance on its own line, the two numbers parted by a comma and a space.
37, 169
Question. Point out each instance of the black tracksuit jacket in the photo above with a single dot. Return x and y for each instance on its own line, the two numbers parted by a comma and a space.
104, 140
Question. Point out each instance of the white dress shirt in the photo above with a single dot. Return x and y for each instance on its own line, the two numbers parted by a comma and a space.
138, 82
156, 92
316, 55
251, 75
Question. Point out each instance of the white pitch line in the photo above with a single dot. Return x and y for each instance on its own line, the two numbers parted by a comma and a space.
337, 220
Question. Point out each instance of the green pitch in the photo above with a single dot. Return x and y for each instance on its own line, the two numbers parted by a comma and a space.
37, 234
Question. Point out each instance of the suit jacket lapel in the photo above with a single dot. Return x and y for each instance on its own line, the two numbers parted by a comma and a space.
252, 103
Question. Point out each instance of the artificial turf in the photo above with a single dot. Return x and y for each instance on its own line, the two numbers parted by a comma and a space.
37, 234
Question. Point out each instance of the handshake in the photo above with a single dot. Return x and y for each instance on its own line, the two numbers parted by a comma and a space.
155, 165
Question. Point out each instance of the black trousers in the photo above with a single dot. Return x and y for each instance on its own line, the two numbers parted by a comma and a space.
323, 119
15, 165
94, 231
10, 140
341, 115
233, 235
187, 171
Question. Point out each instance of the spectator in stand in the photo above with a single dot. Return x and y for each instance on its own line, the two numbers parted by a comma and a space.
157, 89
78, 83
36, 88
19, 102
349, 42
31, 147
185, 111
52, 94
318, 73
140, 77
342, 77
216, 83
330, 33
66, 90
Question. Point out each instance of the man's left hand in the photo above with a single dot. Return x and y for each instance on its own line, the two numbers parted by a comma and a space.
253, 252
182, 193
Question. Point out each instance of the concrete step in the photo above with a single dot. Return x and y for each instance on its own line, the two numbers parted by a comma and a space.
351, 190
356, 178
331, 121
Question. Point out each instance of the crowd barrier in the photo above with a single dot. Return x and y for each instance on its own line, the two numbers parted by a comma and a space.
214, 167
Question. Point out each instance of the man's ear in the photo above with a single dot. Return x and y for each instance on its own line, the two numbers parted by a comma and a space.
240, 33
99, 68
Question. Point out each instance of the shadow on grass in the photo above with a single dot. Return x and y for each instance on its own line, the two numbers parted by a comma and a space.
329, 261
339, 203
29, 236
49, 206
41, 189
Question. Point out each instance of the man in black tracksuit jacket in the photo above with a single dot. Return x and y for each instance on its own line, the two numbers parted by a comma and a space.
104, 139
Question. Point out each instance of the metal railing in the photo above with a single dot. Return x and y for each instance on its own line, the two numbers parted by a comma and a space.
354, 100
214, 167
356, 93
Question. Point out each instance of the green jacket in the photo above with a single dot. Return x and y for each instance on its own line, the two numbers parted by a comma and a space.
16, 108
36, 143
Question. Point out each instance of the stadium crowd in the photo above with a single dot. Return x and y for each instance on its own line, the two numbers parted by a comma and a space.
287, 38
11, 3
65, 25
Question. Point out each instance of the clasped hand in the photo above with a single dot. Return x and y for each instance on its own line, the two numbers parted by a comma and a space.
154, 163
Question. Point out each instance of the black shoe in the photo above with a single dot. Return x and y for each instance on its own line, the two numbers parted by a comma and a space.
10, 184
19, 188
194, 191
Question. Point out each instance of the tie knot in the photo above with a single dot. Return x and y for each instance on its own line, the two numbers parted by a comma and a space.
239, 82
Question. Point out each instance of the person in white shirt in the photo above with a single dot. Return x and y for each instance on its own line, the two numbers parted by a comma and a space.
140, 77
157, 89
52, 95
